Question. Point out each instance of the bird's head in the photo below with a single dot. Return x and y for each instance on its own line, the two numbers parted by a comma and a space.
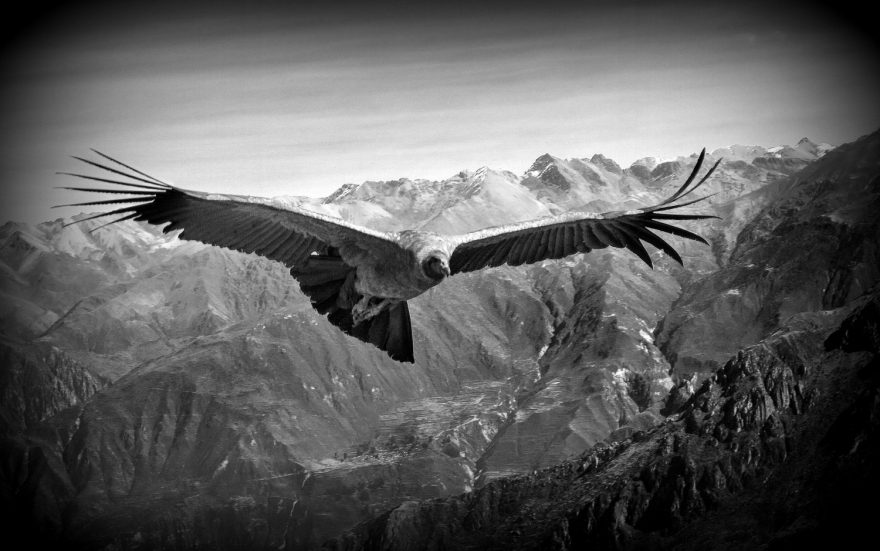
430, 252
436, 266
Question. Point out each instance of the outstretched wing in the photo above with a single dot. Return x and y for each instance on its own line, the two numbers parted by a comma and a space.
323, 252
577, 232
247, 224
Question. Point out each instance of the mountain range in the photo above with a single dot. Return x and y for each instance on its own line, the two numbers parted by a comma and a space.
164, 394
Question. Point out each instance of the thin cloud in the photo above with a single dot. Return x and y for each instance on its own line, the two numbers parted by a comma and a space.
273, 102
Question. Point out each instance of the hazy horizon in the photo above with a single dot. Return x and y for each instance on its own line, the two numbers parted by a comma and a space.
279, 101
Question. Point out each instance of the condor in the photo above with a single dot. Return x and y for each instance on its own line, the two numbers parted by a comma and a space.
361, 278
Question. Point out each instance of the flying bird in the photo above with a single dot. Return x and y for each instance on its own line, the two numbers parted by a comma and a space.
360, 278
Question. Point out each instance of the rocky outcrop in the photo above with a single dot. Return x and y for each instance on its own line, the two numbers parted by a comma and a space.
777, 421
608, 164
812, 247
42, 392
665, 170
785, 166
603, 310
38, 381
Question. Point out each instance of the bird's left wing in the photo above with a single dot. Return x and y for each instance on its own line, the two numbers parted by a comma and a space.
574, 232
286, 234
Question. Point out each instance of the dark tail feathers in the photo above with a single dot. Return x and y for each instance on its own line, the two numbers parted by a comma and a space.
329, 283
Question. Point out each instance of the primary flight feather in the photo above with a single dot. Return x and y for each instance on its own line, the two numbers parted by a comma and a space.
361, 278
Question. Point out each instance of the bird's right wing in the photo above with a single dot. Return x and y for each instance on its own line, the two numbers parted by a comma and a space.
574, 232
286, 234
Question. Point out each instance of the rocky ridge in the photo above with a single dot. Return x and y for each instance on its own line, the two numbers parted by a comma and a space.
775, 450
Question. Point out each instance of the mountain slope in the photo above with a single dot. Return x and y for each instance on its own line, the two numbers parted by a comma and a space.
774, 449
226, 412
813, 247
766, 453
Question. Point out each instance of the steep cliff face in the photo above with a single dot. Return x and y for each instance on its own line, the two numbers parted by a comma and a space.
42, 391
256, 411
38, 382
812, 247
605, 310
239, 417
774, 450
762, 451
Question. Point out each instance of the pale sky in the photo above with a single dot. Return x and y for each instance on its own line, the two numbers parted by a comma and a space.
279, 101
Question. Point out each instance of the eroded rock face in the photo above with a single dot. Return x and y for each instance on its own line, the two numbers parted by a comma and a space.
38, 382
752, 459
814, 246
43, 391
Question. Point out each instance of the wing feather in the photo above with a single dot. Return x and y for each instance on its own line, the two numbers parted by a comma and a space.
527, 248
285, 251
591, 239
484, 255
270, 231
646, 235
674, 230
272, 243
633, 244
515, 258
541, 249
494, 257
279, 232
559, 242
310, 246
271, 249
616, 233
239, 227
506, 250
579, 244
262, 234
551, 243
572, 232
510, 256
568, 238
469, 256
603, 232
531, 245
300, 248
